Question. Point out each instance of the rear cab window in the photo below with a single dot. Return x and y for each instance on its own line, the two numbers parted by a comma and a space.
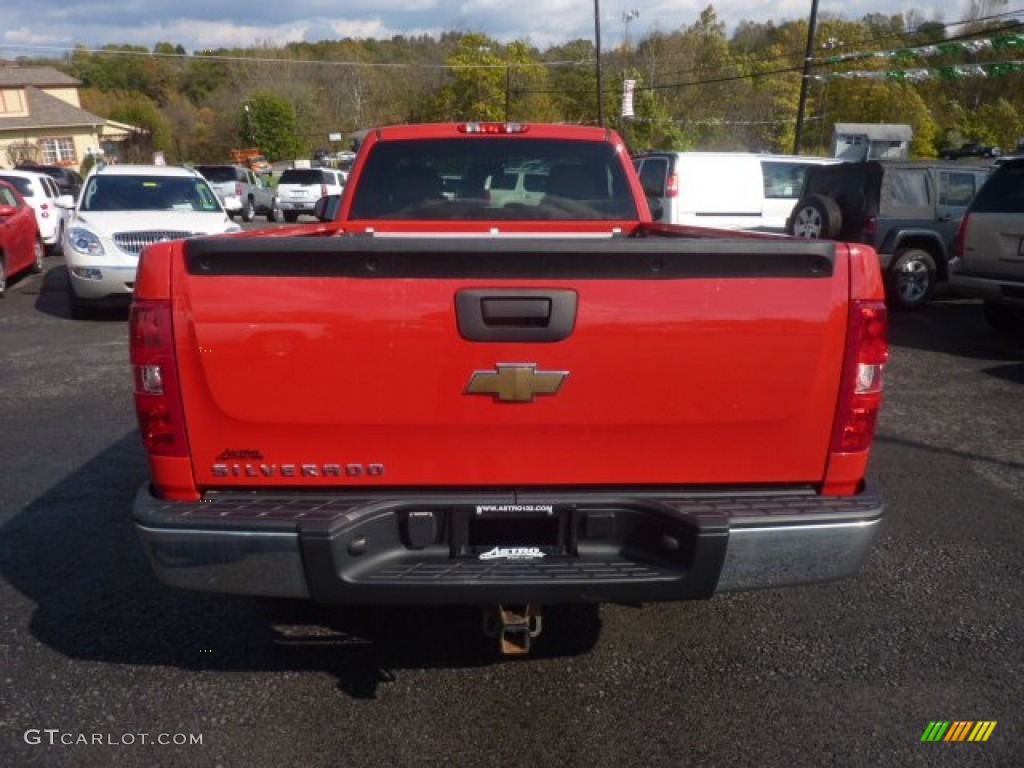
451, 178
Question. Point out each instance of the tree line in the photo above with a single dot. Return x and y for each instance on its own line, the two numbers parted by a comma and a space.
692, 88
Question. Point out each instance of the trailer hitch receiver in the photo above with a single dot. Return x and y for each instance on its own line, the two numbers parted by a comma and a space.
513, 625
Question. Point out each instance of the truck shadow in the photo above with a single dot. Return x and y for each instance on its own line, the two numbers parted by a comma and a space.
73, 553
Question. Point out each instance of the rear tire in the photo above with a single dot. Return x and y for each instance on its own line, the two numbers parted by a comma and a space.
274, 214
911, 279
3, 276
816, 218
291, 217
248, 212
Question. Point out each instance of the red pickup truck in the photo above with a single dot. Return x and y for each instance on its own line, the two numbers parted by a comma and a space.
442, 397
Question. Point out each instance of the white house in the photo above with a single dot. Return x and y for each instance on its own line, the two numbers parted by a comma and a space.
871, 141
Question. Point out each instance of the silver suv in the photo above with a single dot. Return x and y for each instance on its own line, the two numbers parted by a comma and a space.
989, 251
241, 191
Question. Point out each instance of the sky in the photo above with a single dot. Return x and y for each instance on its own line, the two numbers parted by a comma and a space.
50, 27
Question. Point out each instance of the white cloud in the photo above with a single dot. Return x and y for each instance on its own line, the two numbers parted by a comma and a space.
199, 24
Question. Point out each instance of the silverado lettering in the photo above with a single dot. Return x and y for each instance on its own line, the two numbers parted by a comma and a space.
714, 434
298, 470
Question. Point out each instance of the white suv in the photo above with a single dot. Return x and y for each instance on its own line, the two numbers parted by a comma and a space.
42, 193
299, 189
121, 210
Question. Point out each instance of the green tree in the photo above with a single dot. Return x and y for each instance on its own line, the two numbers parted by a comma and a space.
476, 87
269, 122
572, 81
135, 109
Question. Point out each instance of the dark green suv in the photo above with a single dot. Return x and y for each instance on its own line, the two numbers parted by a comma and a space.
907, 211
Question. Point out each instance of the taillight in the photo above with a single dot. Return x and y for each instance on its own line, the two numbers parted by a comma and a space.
867, 350
238, 188
961, 233
672, 186
157, 395
323, 190
869, 230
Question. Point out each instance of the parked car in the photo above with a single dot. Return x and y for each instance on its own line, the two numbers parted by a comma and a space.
989, 252
299, 189
21, 247
519, 186
69, 181
322, 158
122, 209
241, 191
732, 190
51, 207
907, 211
970, 149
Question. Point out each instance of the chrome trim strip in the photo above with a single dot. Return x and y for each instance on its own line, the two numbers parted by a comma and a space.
786, 555
235, 562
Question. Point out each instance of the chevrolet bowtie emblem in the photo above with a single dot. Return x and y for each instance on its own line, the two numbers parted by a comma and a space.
515, 382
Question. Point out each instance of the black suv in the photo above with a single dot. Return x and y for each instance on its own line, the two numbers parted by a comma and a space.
907, 211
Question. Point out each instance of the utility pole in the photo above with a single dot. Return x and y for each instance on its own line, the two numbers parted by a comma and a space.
597, 46
805, 80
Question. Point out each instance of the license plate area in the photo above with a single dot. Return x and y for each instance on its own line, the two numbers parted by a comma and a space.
510, 531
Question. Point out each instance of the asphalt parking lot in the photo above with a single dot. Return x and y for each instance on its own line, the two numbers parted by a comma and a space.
104, 666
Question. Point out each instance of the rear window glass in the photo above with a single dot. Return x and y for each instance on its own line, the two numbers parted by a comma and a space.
20, 183
1003, 192
217, 173
845, 183
783, 179
504, 181
445, 179
301, 176
653, 173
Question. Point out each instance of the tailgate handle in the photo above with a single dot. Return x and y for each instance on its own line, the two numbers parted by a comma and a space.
511, 314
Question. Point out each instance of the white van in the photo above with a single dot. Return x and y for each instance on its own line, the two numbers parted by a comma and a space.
730, 190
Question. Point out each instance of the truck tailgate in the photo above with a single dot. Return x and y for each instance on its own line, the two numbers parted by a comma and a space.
312, 362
